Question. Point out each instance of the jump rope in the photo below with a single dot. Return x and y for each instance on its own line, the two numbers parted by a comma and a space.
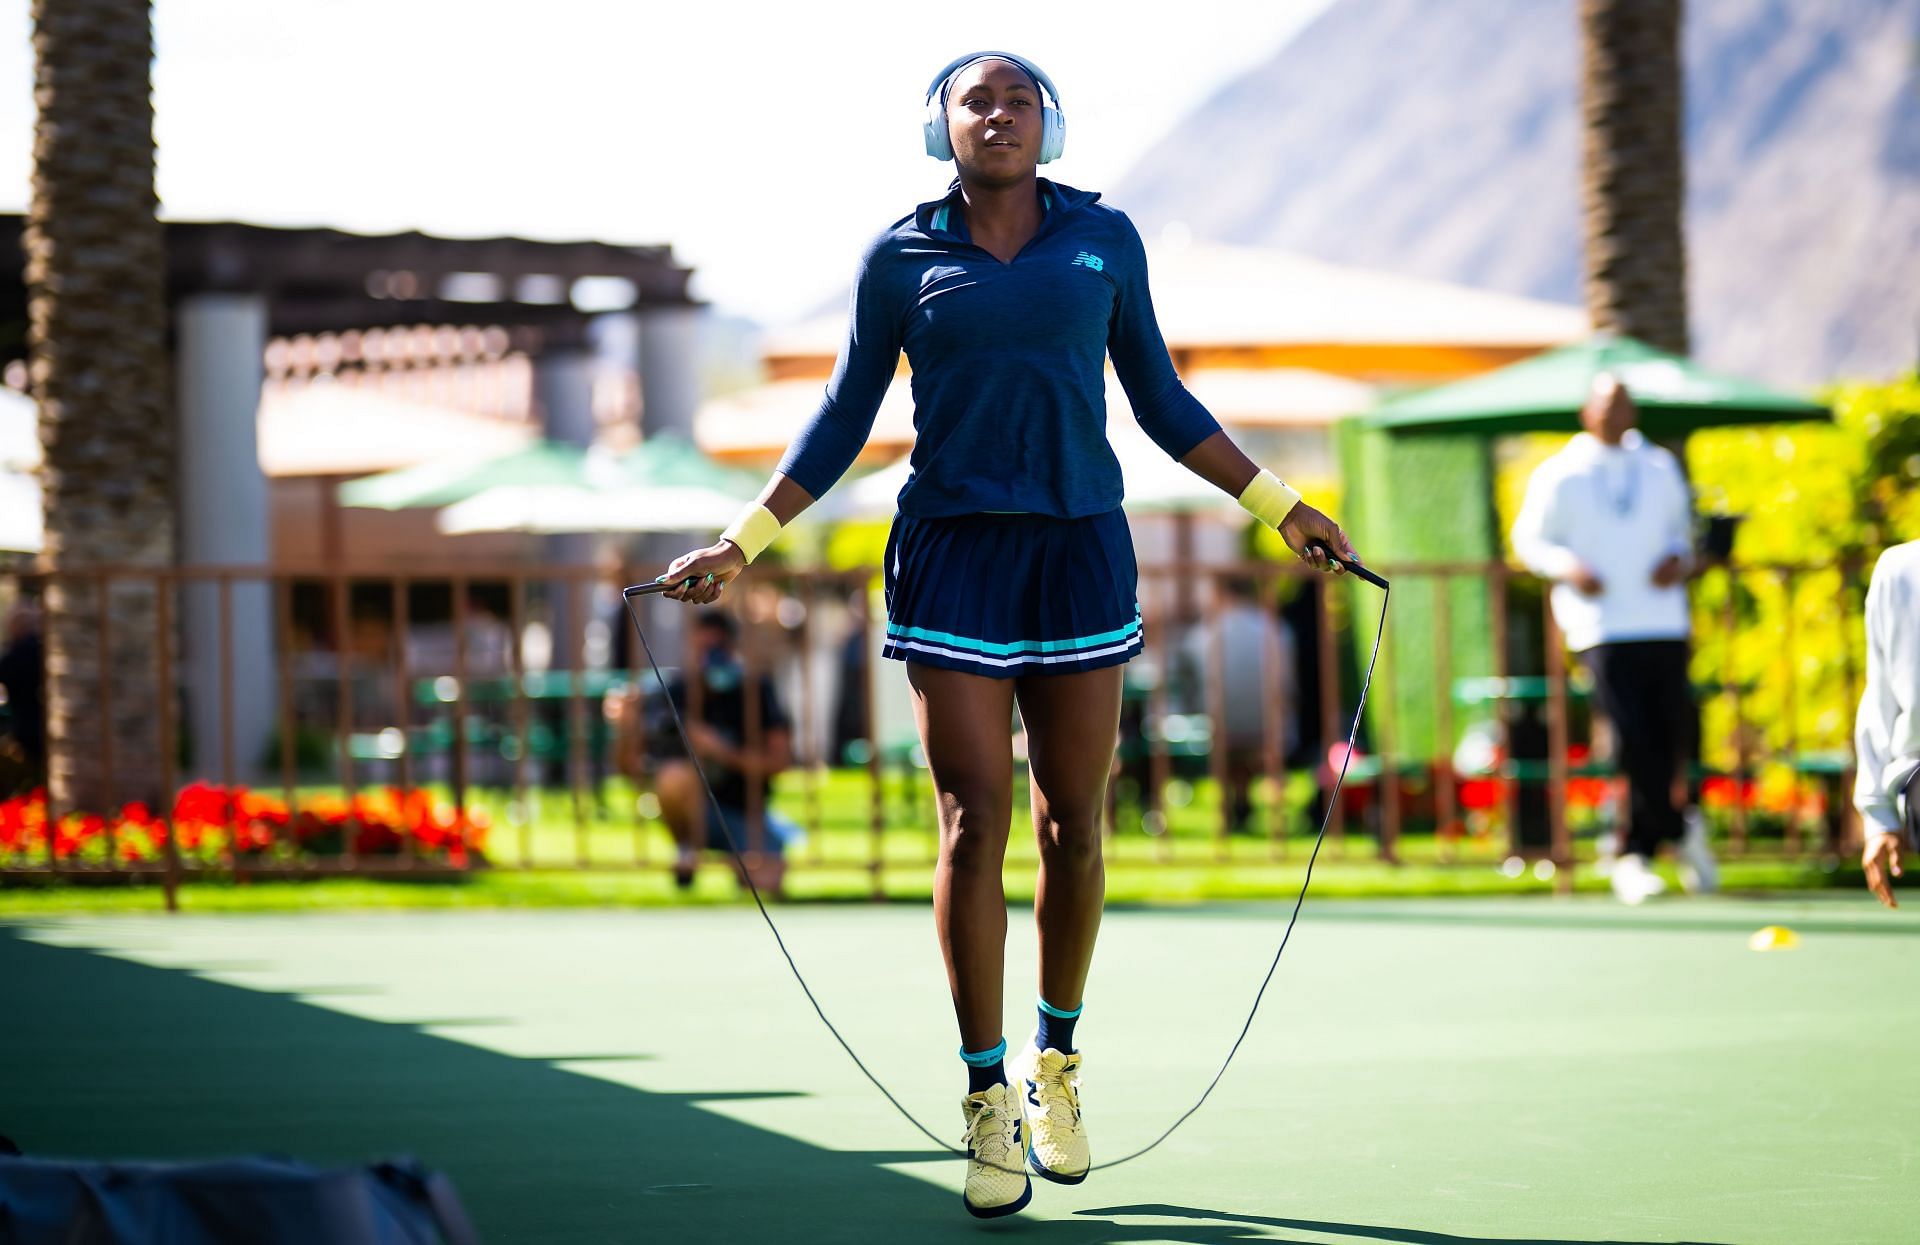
733, 849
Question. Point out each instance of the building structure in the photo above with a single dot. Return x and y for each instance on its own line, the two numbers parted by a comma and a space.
342, 309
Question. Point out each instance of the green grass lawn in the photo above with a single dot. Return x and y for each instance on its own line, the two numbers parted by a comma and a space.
537, 849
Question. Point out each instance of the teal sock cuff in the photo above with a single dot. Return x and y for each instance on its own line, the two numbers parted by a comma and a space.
985, 1058
1060, 1013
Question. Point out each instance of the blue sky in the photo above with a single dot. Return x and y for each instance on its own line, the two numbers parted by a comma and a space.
766, 142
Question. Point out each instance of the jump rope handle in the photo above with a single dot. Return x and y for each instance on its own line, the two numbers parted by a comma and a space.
658, 585
1351, 567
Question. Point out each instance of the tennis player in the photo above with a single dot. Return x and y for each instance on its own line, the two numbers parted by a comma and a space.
1010, 576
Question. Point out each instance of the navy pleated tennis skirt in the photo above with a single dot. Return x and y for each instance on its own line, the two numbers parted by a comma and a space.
1012, 594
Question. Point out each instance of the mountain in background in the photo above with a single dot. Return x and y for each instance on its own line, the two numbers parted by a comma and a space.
1442, 139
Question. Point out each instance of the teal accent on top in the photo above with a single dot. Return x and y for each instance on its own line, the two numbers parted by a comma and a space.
1059, 1013
1049, 202
1016, 646
985, 1058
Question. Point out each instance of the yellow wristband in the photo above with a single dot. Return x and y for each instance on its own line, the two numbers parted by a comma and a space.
753, 530
1268, 498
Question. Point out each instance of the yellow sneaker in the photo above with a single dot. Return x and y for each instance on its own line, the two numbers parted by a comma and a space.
997, 1181
1048, 1083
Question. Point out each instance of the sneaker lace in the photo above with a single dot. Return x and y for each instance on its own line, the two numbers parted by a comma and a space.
990, 1134
1060, 1097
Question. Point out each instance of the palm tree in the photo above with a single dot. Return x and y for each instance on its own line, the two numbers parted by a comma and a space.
96, 288
1633, 182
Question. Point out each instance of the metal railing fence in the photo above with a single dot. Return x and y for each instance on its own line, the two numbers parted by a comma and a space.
405, 703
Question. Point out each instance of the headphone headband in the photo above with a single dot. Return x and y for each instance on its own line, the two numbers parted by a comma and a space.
1053, 122
1032, 70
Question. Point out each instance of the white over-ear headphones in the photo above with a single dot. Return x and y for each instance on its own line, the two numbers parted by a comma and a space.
1053, 123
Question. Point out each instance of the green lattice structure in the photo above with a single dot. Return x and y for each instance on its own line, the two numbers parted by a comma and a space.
1410, 500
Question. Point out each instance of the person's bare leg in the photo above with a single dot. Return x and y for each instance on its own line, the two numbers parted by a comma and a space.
965, 723
1073, 726
683, 806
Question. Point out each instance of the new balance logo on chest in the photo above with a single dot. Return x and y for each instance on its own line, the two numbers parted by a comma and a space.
1087, 259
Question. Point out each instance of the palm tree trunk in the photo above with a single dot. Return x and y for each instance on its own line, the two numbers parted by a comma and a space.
96, 287
1633, 182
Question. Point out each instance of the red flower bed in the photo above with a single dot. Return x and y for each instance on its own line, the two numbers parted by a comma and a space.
208, 819
1774, 799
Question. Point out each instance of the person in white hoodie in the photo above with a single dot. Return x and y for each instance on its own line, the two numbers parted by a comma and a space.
1609, 520
1886, 733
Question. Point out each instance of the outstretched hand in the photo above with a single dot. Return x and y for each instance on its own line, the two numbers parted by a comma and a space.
1881, 860
1585, 581
710, 570
1304, 526
1669, 571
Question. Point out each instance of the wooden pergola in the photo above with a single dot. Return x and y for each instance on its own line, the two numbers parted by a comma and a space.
328, 280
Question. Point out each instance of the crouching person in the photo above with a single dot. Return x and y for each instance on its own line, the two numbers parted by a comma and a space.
741, 771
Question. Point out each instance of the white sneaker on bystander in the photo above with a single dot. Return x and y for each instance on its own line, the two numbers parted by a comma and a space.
1699, 871
1634, 881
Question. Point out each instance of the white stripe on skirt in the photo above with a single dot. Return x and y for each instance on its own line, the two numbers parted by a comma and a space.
1045, 659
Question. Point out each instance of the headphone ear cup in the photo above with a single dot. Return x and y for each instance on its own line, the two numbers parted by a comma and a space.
934, 133
1053, 134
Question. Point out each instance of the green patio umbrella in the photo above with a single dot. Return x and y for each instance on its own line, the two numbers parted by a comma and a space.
446, 481
668, 460
1545, 394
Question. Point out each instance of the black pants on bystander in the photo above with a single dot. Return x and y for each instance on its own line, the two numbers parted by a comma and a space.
1643, 688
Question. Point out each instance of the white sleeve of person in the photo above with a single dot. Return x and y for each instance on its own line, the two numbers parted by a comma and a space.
1268, 499
752, 530
1887, 728
1536, 529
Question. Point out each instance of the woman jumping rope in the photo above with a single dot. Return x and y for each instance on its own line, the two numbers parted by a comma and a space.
1010, 575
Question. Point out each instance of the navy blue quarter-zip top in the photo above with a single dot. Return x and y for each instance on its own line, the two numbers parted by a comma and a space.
1008, 362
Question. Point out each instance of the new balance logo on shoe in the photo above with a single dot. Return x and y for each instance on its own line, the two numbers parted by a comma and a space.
1087, 259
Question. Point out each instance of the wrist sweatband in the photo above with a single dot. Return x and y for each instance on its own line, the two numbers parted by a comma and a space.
1268, 498
753, 530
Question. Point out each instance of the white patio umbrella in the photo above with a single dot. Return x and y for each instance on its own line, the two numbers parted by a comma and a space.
556, 509
1156, 484
20, 514
19, 431
872, 496
21, 529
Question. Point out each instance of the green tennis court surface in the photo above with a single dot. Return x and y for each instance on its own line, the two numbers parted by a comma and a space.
1435, 1073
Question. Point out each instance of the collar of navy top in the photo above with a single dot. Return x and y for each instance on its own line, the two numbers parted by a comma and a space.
943, 218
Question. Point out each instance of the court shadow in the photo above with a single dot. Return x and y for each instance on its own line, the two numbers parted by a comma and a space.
1361, 1231
103, 1058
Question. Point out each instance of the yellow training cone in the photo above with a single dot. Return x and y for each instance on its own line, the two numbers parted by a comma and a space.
1773, 938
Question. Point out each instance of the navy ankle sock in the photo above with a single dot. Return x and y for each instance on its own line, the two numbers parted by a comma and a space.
985, 1068
1056, 1027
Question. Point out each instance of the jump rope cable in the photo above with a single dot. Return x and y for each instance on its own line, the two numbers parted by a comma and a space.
759, 903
